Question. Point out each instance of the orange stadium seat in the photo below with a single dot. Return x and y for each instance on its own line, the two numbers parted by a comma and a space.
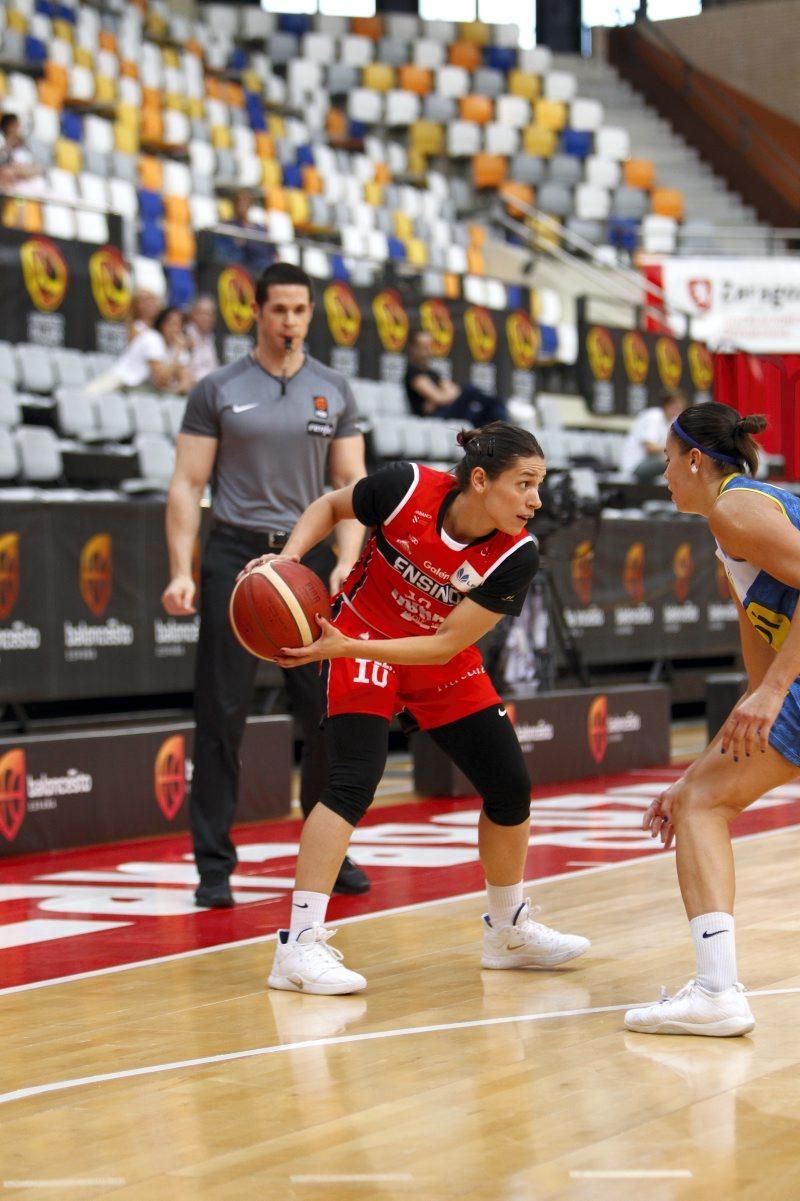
107, 41
176, 208
415, 79
265, 146
57, 76
489, 170
464, 54
233, 94
477, 235
639, 173
151, 173
336, 124
49, 94
151, 99
667, 202
313, 184
213, 87
511, 191
476, 264
383, 173
367, 27
152, 127
181, 249
278, 199
23, 214
479, 109
128, 69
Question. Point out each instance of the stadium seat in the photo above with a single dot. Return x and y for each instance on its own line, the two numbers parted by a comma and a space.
39, 454
527, 169
668, 202
9, 456
513, 111
639, 173
463, 139
602, 172
452, 81
612, 142
156, 456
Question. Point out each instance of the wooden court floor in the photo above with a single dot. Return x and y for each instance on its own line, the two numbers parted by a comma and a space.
189, 1081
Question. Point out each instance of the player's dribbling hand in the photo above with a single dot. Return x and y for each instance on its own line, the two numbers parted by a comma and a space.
259, 562
178, 596
658, 820
330, 645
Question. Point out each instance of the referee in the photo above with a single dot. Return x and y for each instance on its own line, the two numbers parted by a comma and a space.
267, 431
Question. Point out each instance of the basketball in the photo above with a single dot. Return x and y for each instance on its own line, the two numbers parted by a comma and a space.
274, 606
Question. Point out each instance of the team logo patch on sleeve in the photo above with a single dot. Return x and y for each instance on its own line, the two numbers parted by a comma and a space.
465, 578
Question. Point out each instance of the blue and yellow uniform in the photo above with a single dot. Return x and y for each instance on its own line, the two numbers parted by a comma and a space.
769, 604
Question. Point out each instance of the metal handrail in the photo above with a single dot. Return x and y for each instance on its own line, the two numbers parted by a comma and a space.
742, 122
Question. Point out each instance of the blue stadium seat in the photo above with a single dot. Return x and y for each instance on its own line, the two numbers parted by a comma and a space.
305, 156
181, 285
356, 129
577, 142
339, 268
501, 58
296, 23
397, 250
292, 176
35, 50
152, 242
71, 126
623, 233
238, 59
151, 205
548, 341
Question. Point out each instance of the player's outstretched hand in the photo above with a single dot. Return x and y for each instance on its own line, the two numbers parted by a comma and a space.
658, 819
330, 645
259, 562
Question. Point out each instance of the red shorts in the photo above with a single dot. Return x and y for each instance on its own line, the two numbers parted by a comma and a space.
434, 695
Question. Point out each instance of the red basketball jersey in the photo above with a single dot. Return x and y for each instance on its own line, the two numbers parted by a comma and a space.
411, 574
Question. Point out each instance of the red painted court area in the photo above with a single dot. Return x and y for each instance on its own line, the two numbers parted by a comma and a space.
101, 908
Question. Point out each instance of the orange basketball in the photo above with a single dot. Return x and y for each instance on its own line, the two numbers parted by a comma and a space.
274, 606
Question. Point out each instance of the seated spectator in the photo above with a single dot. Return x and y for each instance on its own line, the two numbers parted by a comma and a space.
430, 394
199, 330
16, 161
642, 459
156, 358
145, 307
253, 255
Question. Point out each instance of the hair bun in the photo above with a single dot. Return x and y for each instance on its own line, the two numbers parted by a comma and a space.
752, 423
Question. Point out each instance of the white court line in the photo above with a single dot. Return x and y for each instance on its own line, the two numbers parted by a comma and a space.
651, 857
58, 1086
633, 1174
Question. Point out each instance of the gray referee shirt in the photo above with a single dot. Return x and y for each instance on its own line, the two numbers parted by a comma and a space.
273, 448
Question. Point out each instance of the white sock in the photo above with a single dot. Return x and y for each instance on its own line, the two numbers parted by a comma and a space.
307, 908
504, 901
714, 936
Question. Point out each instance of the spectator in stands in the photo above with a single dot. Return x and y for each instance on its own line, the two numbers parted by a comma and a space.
156, 358
199, 330
642, 458
254, 255
16, 160
267, 430
431, 394
145, 307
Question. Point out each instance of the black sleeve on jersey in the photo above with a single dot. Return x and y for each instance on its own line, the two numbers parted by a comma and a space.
377, 496
506, 588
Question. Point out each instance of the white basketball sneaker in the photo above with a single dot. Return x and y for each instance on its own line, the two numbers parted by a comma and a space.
310, 965
526, 943
694, 1011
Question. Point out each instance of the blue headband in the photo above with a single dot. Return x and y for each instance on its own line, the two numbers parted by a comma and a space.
712, 454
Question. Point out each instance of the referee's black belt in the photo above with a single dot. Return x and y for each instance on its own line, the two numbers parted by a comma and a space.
269, 539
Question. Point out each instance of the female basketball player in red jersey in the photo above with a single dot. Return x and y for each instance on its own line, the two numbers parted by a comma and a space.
448, 555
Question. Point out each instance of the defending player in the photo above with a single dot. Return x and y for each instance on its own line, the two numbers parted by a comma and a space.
711, 458
448, 556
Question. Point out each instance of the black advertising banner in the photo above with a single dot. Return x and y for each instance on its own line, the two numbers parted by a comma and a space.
59, 293
66, 790
566, 735
28, 651
625, 371
99, 565
638, 590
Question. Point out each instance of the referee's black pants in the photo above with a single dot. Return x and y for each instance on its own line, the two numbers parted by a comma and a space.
224, 683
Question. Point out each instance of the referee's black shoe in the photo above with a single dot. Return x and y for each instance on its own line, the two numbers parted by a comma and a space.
351, 881
214, 891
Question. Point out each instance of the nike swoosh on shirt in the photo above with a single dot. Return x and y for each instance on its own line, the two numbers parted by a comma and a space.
243, 408
501, 712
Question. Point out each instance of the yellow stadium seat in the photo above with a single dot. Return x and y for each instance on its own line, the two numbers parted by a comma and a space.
177, 102
221, 138
278, 198
550, 114
126, 138
155, 25
128, 115
3, 85
417, 252
416, 162
512, 191
373, 194
403, 226
151, 173
16, 21
195, 108
415, 79
427, 137
299, 208
68, 156
522, 83
538, 141
176, 208
378, 76
477, 32
545, 231
639, 173
667, 202
464, 54
225, 208
180, 244
479, 109
251, 81
367, 27
105, 89
63, 31
83, 57
273, 173
170, 57
276, 126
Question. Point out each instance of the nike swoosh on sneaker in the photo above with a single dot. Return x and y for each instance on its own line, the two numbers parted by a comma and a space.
713, 932
243, 408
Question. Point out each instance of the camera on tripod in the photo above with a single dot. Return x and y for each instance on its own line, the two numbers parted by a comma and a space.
563, 503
